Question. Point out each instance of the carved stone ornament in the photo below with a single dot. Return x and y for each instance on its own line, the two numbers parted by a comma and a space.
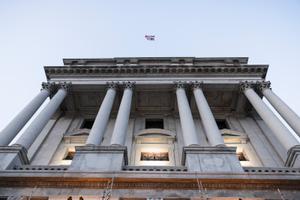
112, 85
129, 84
245, 85
264, 85
180, 84
65, 85
48, 86
197, 84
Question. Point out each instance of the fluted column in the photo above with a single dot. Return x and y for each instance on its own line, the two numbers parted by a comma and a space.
186, 118
37, 125
100, 123
283, 109
17, 123
281, 132
209, 123
121, 124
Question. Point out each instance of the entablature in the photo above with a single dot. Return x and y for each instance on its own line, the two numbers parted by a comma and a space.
157, 71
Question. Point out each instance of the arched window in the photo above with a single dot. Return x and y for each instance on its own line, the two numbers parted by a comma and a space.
154, 147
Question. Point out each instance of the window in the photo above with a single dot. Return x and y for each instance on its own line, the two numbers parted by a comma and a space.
154, 123
222, 124
154, 147
241, 156
87, 123
69, 155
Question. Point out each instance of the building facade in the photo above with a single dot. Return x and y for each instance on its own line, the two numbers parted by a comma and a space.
152, 128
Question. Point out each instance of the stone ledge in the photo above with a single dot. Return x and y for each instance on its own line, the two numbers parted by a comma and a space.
99, 158
211, 159
103, 149
11, 156
205, 150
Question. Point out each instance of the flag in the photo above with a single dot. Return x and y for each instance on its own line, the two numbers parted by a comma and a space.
150, 37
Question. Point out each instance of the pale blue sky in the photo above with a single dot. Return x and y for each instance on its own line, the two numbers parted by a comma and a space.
38, 33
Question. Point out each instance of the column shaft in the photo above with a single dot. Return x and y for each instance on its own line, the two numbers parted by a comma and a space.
34, 129
121, 124
100, 124
186, 118
283, 109
281, 132
209, 123
19, 121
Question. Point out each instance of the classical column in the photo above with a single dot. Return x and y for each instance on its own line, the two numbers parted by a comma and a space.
37, 125
15, 125
283, 109
209, 123
281, 132
121, 124
100, 124
186, 118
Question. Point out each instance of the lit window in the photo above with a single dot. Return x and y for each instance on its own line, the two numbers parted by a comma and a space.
70, 155
154, 156
241, 156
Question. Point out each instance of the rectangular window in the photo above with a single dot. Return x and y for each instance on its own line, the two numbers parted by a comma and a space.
241, 156
87, 123
154, 123
222, 124
70, 155
154, 156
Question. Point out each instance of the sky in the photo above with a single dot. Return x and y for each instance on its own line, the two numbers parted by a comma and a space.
34, 34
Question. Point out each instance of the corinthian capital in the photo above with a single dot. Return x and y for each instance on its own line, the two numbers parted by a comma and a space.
129, 84
65, 85
112, 85
264, 85
48, 86
180, 84
245, 85
197, 84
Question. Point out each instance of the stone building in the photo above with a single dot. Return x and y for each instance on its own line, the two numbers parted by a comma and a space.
152, 128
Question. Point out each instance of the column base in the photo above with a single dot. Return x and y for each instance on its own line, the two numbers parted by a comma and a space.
293, 158
99, 158
11, 156
211, 159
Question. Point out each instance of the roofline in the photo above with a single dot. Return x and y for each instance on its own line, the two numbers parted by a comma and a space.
241, 60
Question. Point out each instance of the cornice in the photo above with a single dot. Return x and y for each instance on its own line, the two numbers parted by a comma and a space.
155, 70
